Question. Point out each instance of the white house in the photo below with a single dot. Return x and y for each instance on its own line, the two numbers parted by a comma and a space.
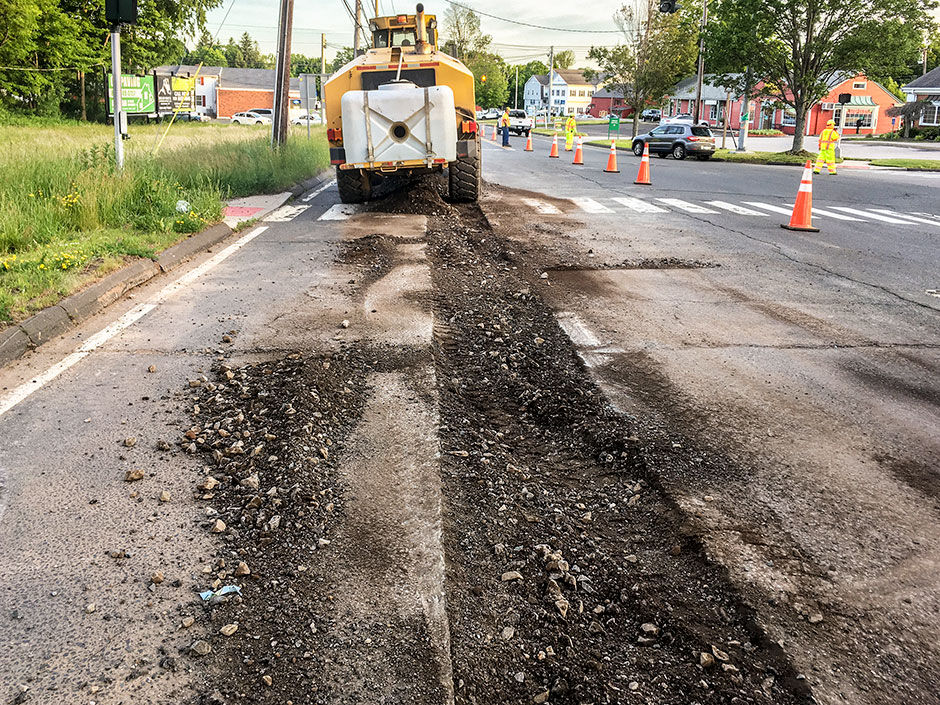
571, 92
926, 88
206, 85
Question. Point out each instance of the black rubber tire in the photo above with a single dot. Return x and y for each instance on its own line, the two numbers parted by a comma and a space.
678, 151
354, 185
258, 122
465, 178
638, 149
527, 133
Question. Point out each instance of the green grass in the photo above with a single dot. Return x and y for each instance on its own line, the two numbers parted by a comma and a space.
67, 218
925, 164
727, 155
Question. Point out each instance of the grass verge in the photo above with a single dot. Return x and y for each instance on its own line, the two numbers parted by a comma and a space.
67, 218
919, 164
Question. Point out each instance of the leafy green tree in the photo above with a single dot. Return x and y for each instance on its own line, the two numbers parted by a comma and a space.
343, 57
658, 49
564, 59
464, 36
492, 92
797, 47
206, 52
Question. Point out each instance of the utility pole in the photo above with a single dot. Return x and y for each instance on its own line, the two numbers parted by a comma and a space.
81, 83
516, 101
551, 80
376, 8
745, 116
356, 27
282, 75
701, 64
117, 113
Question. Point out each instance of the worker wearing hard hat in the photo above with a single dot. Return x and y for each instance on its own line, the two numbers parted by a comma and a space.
571, 129
827, 148
504, 123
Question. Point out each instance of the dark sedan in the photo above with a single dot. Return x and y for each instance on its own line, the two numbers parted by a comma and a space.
678, 140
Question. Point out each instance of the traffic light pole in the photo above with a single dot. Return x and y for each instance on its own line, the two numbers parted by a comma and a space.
701, 65
282, 75
117, 113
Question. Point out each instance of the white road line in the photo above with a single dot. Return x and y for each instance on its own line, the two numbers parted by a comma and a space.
635, 204
579, 333
772, 209
95, 341
685, 205
905, 216
541, 206
874, 216
340, 211
285, 214
838, 216
589, 205
313, 194
735, 208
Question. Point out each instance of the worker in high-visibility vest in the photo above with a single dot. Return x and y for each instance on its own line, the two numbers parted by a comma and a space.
827, 148
571, 129
504, 124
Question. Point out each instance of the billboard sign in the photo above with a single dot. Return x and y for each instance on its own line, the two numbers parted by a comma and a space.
137, 95
175, 93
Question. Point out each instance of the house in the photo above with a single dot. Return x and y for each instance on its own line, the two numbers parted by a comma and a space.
221, 91
869, 103
606, 102
570, 92
926, 88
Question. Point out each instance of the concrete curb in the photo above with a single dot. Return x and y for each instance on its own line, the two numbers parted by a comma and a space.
38, 329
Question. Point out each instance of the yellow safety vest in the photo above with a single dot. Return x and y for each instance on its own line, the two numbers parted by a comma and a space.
571, 125
505, 120
828, 138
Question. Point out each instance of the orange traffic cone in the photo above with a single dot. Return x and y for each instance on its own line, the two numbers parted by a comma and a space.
493, 138
612, 159
578, 154
802, 218
554, 153
643, 175
528, 143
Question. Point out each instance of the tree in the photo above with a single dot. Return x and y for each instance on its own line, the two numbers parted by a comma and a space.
797, 48
206, 52
465, 38
658, 49
494, 91
343, 57
533, 68
564, 59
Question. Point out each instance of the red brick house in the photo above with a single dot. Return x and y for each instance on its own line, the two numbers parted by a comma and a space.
245, 89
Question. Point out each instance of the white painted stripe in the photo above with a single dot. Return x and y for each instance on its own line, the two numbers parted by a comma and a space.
285, 214
734, 208
905, 216
875, 216
340, 211
837, 216
772, 209
541, 206
635, 204
313, 194
685, 205
95, 341
589, 205
579, 333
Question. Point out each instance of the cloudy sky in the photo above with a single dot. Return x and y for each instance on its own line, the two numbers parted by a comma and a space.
516, 43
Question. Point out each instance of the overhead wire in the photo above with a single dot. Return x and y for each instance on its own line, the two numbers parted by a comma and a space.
529, 24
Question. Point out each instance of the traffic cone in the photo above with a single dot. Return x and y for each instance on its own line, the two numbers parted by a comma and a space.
578, 154
643, 175
528, 143
802, 218
554, 153
493, 138
612, 159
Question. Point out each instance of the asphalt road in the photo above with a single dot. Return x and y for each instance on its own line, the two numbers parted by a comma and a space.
797, 370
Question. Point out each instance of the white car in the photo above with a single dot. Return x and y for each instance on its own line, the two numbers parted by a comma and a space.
250, 118
312, 118
680, 119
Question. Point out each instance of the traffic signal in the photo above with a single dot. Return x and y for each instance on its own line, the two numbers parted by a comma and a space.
120, 11
668, 6
483, 78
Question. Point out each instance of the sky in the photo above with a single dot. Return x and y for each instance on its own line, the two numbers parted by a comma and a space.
515, 43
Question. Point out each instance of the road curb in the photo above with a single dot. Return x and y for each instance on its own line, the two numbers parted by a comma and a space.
18, 339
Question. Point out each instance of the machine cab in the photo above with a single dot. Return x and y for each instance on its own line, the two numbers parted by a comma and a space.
400, 31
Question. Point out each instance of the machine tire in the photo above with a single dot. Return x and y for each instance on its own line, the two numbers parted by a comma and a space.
354, 185
465, 178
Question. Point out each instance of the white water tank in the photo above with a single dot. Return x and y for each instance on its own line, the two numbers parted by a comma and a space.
398, 121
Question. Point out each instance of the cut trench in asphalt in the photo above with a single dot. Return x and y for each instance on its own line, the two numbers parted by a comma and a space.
347, 474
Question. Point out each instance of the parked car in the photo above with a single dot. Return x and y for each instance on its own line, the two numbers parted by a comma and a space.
677, 140
479, 114
312, 118
680, 119
266, 112
519, 123
651, 115
186, 117
492, 114
250, 118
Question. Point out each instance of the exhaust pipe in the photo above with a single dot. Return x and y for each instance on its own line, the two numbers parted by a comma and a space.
421, 41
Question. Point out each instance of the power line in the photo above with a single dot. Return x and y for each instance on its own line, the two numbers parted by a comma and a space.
536, 26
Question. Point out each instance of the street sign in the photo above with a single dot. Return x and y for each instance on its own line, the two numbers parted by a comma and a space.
613, 124
175, 93
138, 96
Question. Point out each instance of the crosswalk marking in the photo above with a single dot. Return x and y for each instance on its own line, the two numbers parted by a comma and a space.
768, 207
589, 205
905, 216
874, 216
635, 204
340, 211
541, 206
685, 205
734, 208
285, 214
837, 216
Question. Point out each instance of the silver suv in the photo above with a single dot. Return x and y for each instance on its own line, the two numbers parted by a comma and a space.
678, 140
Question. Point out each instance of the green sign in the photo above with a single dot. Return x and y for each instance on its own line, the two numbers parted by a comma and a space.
137, 95
613, 124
